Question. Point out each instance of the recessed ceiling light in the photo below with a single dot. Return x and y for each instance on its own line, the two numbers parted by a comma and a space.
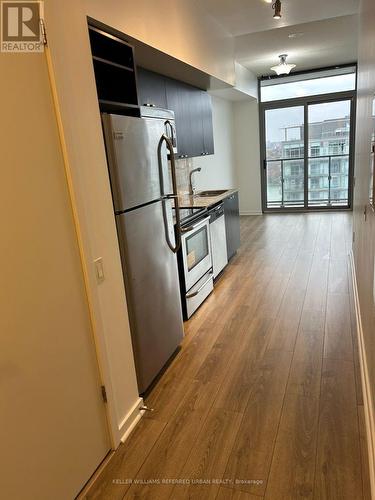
296, 35
268, 1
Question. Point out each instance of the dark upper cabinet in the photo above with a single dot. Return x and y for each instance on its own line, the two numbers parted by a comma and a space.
151, 89
232, 224
178, 100
208, 133
192, 108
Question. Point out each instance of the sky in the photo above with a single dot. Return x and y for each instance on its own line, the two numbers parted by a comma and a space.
290, 116
276, 119
304, 88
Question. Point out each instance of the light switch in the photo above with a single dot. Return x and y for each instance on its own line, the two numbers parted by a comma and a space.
99, 270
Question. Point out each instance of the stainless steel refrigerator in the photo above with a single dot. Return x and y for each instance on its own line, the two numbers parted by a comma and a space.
144, 191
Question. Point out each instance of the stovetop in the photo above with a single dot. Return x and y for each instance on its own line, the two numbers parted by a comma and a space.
187, 215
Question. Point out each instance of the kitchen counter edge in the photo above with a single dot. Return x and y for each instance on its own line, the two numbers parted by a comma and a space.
188, 201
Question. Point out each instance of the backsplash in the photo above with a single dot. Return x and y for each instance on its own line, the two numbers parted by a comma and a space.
183, 168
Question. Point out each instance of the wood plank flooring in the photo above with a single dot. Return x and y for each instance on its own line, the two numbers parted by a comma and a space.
264, 398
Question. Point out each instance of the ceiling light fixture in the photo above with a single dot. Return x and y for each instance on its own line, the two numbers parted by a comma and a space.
283, 68
268, 1
277, 8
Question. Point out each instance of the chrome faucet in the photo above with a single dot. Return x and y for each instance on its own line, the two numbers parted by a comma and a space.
191, 188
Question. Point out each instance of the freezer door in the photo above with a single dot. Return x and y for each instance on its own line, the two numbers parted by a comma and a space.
138, 173
152, 287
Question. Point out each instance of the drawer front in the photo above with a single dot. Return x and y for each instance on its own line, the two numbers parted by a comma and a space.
199, 293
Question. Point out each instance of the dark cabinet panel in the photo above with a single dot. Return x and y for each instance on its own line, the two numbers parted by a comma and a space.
194, 115
208, 133
191, 106
177, 101
232, 224
151, 88
185, 141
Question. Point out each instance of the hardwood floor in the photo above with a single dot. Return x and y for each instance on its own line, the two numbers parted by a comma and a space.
264, 398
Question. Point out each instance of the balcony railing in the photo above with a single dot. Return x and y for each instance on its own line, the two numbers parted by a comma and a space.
280, 192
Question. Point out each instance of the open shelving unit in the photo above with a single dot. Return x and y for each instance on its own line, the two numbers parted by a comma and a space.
115, 74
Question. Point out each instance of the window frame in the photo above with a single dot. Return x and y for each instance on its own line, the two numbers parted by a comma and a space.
305, 102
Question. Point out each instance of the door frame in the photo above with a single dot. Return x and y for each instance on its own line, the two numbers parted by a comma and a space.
305, 102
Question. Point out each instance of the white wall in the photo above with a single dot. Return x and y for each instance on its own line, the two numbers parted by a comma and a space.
246, 81
236, 162
180, 28
50, 389
218, 170
364, 227
247, 156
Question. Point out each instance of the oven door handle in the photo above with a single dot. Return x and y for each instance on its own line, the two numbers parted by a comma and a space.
194, 294
173, 196
194, 226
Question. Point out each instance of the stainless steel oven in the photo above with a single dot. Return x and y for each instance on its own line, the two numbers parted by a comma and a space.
195, 262
196, 251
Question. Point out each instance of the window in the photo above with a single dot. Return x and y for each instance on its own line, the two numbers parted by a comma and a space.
337, 148
335, 167
307, 145
296, 170
293, 133
293, 151
308, 84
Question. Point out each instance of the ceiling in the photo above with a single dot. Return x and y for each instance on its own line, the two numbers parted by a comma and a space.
323, 43
326, 31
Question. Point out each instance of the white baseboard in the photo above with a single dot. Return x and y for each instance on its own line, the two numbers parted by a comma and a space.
131, 420
367, 396
249, 212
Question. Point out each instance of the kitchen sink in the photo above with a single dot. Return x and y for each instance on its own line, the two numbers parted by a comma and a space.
214, 192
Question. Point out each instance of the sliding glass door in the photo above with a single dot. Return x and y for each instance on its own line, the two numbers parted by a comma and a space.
307, 152
328, 153
284, 164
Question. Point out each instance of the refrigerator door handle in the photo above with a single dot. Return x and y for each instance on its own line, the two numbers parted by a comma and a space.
172, 138
174, 196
